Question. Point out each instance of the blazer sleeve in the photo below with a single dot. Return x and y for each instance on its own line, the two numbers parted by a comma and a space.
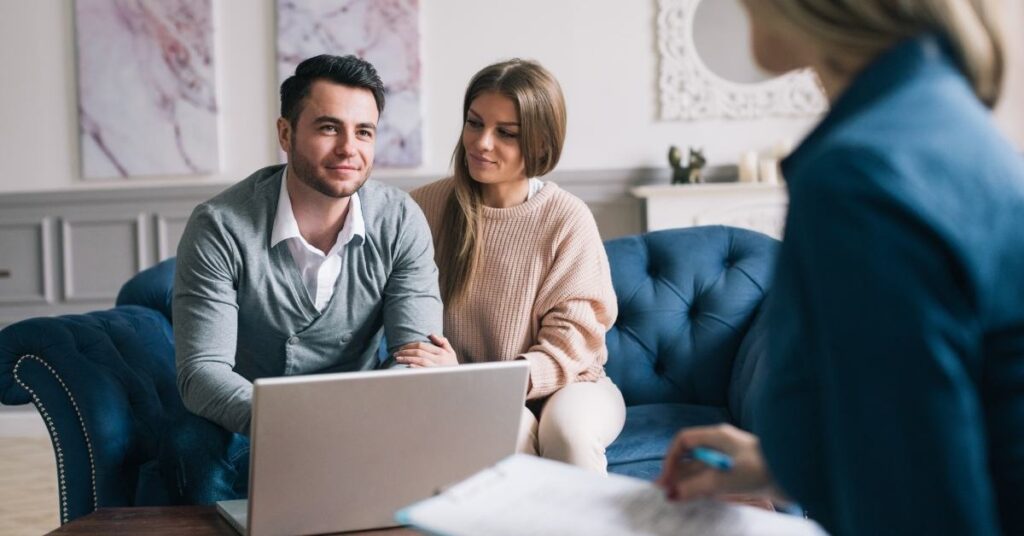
889, 301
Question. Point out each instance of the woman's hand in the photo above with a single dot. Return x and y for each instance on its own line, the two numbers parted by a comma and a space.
425, 354
684, 478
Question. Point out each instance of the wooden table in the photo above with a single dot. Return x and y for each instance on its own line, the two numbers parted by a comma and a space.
169, 520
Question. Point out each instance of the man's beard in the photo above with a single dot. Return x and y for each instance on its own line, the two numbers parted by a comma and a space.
306, 172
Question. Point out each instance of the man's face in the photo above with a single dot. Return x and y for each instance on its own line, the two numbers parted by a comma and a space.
330, 149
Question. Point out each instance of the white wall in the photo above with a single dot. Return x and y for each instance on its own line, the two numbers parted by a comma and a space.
1010, 112
603, 52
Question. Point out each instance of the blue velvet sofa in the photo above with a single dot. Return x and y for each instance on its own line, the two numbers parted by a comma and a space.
686, 345
684, 351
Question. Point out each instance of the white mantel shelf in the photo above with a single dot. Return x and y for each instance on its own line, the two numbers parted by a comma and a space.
757, 206
713, 188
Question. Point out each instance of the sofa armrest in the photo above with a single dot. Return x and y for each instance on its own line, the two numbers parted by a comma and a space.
104, 385
152, 288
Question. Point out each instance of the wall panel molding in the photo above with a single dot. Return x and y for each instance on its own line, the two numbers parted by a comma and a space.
78, 273
22, 265
167, 233
21, 421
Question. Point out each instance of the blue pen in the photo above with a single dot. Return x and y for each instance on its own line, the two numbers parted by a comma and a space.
712, 458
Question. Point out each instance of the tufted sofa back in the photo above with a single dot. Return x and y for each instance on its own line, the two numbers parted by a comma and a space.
152, 288
687, 300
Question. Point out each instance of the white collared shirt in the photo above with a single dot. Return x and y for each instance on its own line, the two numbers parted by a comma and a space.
535, 186
319, 272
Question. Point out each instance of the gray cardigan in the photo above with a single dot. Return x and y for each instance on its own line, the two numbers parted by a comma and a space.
241, 311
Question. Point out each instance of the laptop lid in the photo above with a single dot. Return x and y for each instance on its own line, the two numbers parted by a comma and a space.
341, 452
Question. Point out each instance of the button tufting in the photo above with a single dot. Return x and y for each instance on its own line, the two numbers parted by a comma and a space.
293, 340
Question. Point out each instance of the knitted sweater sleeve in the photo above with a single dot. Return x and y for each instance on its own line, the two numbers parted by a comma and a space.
576, 306
205, 311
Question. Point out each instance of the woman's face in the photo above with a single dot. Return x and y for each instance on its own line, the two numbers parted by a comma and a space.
775, 44
490, 137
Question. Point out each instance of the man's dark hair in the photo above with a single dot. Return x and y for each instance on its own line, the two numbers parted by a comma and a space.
345, 70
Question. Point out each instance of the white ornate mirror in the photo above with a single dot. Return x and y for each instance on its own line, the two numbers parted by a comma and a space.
707, 71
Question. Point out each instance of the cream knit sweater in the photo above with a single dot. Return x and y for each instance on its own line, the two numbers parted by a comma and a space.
543, 291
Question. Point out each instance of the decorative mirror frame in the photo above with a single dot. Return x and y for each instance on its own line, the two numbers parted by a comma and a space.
689, 90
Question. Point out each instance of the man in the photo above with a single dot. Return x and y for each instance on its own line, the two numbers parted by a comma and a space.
297, 269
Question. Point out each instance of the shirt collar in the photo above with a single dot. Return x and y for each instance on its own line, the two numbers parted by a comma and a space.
285, 225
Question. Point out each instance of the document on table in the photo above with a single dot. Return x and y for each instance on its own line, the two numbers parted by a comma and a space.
529, 495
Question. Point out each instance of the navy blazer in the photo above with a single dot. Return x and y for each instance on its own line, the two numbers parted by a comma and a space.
894, 399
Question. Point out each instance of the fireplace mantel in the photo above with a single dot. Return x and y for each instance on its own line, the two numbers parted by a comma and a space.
761, 207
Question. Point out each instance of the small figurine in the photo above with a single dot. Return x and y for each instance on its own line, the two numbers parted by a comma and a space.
689, 174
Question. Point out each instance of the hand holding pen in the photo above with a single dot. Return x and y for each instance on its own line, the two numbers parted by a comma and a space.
710, 461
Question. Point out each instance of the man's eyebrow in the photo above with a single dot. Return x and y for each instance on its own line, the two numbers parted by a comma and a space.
330, 119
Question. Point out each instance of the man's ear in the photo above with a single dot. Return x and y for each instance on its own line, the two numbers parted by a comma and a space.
284, 134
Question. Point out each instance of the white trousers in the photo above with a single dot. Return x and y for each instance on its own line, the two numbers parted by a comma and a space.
576, 424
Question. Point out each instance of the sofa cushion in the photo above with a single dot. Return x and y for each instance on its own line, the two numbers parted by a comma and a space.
649, 430
150, 489
686, 298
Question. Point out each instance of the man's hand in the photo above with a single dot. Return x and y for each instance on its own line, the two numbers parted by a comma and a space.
425, 354
684, 478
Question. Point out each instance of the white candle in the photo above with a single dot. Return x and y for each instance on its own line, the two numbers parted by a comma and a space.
782, 148
747, 167
769, 171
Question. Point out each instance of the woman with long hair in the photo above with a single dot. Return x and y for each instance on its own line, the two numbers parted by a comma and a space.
523, 271
893, 392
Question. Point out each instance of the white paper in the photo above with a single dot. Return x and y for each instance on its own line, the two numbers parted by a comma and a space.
529, 495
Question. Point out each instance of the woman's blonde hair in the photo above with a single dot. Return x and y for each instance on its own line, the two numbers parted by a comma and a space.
867, 27
541, 108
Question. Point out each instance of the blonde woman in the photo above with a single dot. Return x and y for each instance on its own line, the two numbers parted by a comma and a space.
893, 395
522, 268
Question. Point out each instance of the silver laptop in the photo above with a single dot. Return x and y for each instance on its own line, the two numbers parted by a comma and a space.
342, 452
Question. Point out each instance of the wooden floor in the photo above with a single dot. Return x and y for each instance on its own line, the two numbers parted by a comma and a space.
28, 487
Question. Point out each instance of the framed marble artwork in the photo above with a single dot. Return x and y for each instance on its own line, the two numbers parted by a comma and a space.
147, 99
383, 32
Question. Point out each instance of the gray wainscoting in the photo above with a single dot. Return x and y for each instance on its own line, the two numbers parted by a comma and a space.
70, 251
67, 252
